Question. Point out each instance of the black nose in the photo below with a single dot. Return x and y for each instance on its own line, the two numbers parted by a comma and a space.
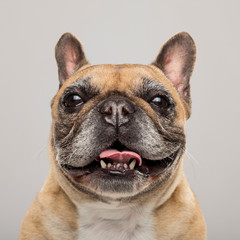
117, 112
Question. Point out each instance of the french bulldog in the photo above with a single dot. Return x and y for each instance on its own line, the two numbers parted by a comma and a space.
116, 148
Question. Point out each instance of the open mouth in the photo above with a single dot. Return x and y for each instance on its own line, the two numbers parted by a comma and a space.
121, 161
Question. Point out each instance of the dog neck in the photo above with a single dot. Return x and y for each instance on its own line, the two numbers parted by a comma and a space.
112, 221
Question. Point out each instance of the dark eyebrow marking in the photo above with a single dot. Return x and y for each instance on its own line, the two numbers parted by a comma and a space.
151, 88
83, 84
83, 87
151, 84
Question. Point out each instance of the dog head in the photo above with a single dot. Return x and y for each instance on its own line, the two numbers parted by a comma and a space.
118, 130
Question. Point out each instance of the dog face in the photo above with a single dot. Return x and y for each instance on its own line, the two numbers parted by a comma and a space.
118, 130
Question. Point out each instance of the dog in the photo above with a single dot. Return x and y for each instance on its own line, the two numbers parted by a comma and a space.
116, 148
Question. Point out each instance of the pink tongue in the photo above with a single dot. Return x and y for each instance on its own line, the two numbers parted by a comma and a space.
124, 156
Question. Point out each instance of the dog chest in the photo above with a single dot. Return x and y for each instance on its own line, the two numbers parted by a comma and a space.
127, 223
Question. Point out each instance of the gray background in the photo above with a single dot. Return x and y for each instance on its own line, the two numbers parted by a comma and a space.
119, 32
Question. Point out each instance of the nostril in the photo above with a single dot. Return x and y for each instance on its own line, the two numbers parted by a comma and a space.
125, 111
108, 111
109, 108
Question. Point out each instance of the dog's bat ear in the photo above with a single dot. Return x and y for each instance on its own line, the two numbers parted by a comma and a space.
69, 56
176, 59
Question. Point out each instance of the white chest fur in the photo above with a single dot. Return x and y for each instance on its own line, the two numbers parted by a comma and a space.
112, 222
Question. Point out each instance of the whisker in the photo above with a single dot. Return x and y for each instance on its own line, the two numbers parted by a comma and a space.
38, 154
191, 157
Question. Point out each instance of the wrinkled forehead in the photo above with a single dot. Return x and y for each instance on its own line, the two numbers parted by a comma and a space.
135, 81
125, 78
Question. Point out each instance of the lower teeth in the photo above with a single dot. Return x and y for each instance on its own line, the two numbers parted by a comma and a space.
131, 166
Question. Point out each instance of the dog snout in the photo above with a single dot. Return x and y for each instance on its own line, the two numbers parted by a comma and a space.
117, 112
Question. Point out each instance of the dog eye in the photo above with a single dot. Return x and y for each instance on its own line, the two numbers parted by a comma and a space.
73, 100
160, 102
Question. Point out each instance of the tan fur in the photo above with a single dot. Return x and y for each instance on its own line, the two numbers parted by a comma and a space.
174, 209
